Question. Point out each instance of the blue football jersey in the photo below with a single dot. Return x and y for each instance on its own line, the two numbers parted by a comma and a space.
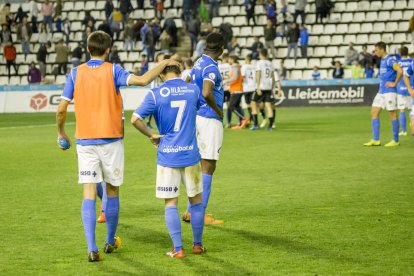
410, 72
206, 68
174, 105
401, 87
387, 74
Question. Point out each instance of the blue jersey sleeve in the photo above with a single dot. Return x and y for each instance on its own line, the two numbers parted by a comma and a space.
198, 91
391, 61
69, 88
210, 73
410, 70
121, 76
147, 107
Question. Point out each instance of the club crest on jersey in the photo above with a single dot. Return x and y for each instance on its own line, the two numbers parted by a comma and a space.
212, 76
165, 92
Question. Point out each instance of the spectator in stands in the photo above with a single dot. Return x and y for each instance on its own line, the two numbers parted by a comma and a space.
321, 10
77, 55
156, 29
33, 12
365, 57
300, 6
66, 29
316, 75
109, 8
171, 28
5, 16
200, 47
144, 64
338, 71
115, 21
140, 4
282, 70
44, 36
304, 40
58, 24
41, 57
5, 35
159, 8
271, 11
411, 29
105, 27
87, 20
58, 8
126, 8
128, 36
270, 36
9, 52
350, 54
143, 34
114, 56
203, 12
233, 47
284, 5
293, 39
20, 14
34, 75
214, 8
249, 6
368, 71
165, 42
136, 29
226, 31
149, 40
256, 47
357, 71
62, 56
48, 11
188, 8
24, 32
193, 29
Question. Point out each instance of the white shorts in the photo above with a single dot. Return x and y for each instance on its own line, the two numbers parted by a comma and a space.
404, 102
101, 162
386, 101
209, 137
169, 180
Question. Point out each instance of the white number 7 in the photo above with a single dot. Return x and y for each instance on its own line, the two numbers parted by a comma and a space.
181, 107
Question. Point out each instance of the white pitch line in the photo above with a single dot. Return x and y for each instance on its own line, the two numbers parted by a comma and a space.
34, 126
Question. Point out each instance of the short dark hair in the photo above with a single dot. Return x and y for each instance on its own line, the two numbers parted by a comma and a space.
234, 58
263, 52
171, 68
404, 51
249, 56
98, 42
381, 45
214, 43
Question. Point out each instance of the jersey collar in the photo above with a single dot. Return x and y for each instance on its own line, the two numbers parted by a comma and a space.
204, 55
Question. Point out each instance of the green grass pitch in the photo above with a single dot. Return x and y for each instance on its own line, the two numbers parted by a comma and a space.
305, 199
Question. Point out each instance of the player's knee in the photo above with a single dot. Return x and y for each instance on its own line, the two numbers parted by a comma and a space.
171, 202
195, 199
111, 190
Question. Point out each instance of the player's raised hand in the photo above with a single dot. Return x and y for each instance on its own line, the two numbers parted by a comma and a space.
390, 84
155, 139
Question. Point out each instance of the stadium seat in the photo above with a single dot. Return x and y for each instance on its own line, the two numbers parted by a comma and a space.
332, 51
374, 38
259, 9
352, 6
359, 17
216, 21
366, 27
246, 31
14, 80
234, 10
400, 38
407, 14
337, 39
371, 16
24, 81
347, 17
302, 63
379, 27
236, 31
387, 37
319, 51
410, 5
396, 15
376, 5
340, 7
362, 38
326, 62
354, 27
401, 4
384, 15
349, 38
4, 80
296, 75
224, 11
149, 14
325, 40
258, 31
391, 26
60, 79
317, 29
330, 29
290, 63
342, 28
388, 5
79, 6
313, 40
228, 19
240, 21
363, 5
100, 5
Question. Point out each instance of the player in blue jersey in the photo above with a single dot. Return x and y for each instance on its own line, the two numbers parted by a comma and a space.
390, 75
409, 83
206, 75
94, 87
174, 106
404, 100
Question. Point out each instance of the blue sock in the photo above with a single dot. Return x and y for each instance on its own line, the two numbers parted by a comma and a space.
112, 215
172, 220
104, 197
99, 190
395, 129
376, 129
197, 222
89, 223
189, 207
207, 179
403, 121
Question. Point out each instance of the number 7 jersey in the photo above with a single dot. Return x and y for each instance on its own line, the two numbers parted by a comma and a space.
174, 105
